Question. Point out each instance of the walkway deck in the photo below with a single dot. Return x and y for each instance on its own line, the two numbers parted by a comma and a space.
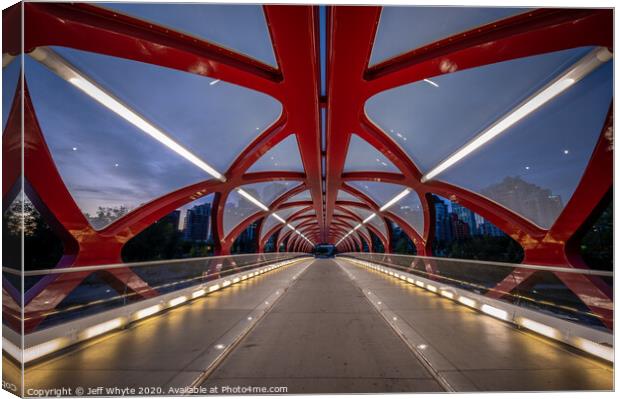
315, 329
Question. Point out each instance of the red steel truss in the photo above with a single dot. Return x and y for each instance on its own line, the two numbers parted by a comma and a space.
295, 84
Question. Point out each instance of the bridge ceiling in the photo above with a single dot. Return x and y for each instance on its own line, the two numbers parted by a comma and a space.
288, 112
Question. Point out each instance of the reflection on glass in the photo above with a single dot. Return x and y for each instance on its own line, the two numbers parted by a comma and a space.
215, 121
400, 241
241, 28
463, 234
430, 123
362, 156
597, 244
108, 165
270, 245
247, 241
10, 78
409, 208
537, 164
236, 210
376, 243
183, 233
284, 156
42, 247
402, 29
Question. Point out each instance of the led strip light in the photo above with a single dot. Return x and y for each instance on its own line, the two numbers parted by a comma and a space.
594, 348
74, 76
262, 206
559, 85
45, 348
388, 204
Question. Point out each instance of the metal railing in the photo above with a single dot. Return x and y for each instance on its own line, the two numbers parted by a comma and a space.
541, 288
93, 293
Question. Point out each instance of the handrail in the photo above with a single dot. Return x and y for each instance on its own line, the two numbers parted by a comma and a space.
601, 273
77, 269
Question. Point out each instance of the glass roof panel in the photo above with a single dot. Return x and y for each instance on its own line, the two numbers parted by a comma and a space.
420, 115
309, 212
409, 208
362, 156
287, 212
297, 222
236, 210
537, 164
241, 28
214, 119
380, 193
345, 196
303, 196
284, 156
402, 29
10, 77
377, 222
103, 160
348, 222
268, 224
267, 192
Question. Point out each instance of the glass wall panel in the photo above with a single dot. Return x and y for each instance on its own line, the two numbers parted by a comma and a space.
463, 234
597, 244
247, 241
236, 210
241, 28
453, 108
409, 208
216, 120
402, 29
184, 233
535, 166
107, 164
268, 224
401, 243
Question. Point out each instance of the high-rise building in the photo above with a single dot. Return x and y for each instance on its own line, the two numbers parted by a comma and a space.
443, 228
460, 229
489, 229
247, 241
467, 216
174, 218
197, 223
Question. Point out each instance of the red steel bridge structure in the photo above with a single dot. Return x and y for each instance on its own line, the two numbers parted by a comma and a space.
295, 83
